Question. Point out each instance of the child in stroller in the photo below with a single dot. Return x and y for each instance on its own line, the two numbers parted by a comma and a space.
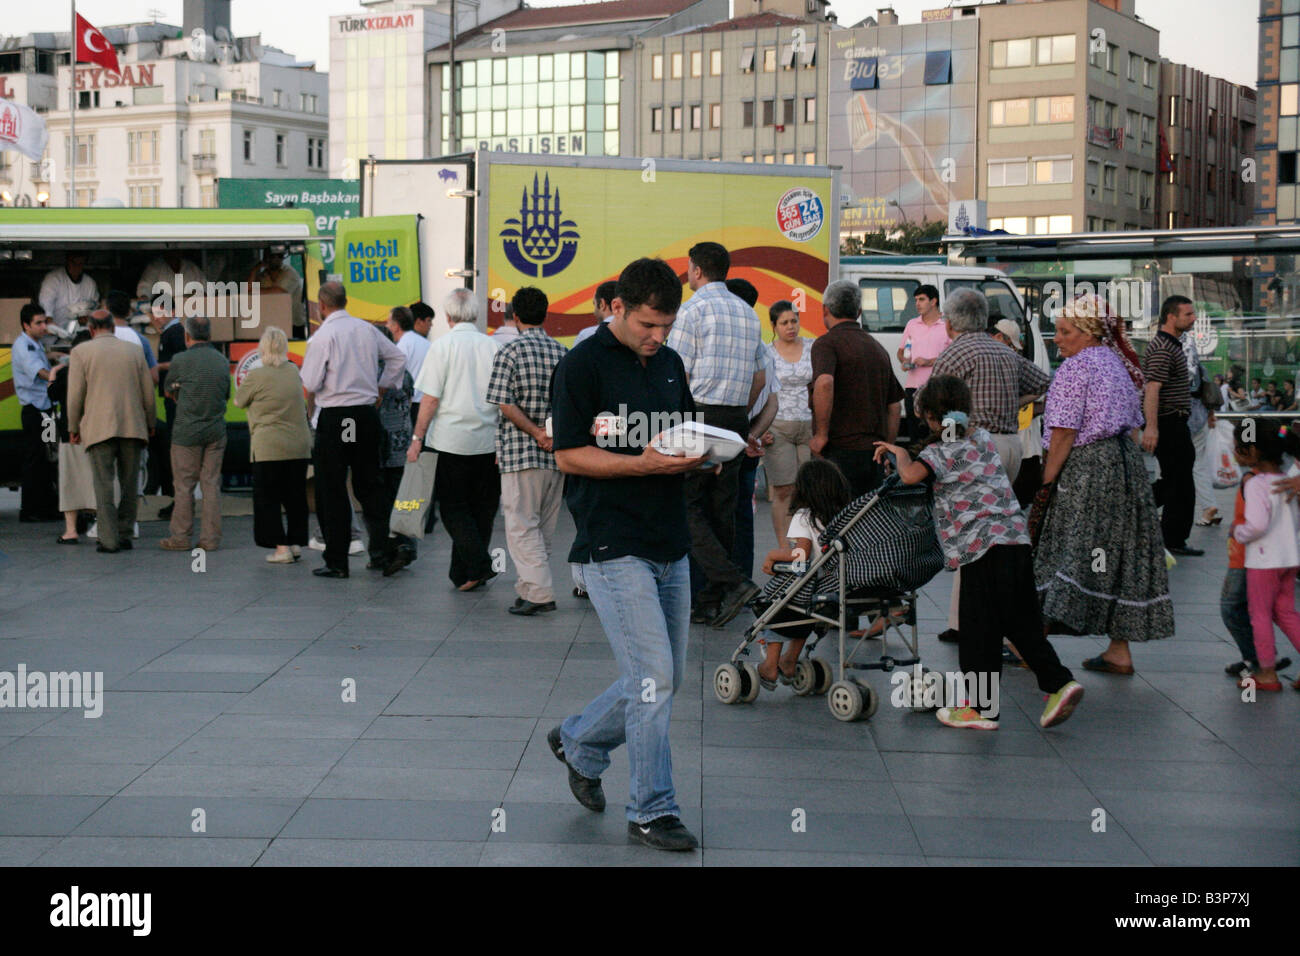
820, 492
982, 531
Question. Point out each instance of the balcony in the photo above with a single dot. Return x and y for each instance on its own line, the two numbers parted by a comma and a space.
204, 163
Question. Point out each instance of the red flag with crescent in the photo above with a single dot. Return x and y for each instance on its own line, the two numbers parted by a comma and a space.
93, 46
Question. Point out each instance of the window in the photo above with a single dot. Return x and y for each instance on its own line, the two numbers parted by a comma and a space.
697, 63
146, 95
769, 159
657, 119
715, 63
747, 60
657, 66
248, 145
1003, 303
1060, 224
315, 153
1148, 129
87, 99
85, 150
787, 159
1053, 170
697, 117
1112, 58
1131, 125
1134, 67
769, 59
275, 98
1103, 59
938, 68
142, 147
887, 304
143, 195
677, 66
747, 109
1008, 172
1286, 167
810, 158
279, 149
787, 56
677, 119
747, 158
1054, 109
1132, 178
1093, 173
1287, 92
809, 56
787, 111
208, 196
208, 142
1149, 73
1009, 54
1056, 49
715, 116
85, 196
303, 102
1108, 177
1009, 112
810, 109
769, 112
1173, 110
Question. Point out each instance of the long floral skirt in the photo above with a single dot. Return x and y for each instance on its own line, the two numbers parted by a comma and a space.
1100, 561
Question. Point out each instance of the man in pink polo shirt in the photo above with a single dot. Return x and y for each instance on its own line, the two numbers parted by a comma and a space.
928, 335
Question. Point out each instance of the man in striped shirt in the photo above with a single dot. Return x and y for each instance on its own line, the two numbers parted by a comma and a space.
1166, 402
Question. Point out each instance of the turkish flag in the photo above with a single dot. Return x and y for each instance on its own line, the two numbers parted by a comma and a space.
93, 46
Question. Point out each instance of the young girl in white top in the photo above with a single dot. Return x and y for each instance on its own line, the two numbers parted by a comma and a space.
1269, 532
820, 493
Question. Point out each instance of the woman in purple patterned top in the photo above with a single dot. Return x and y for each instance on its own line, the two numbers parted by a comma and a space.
1099, 561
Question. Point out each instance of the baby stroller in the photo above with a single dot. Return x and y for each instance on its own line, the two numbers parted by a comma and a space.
875, 554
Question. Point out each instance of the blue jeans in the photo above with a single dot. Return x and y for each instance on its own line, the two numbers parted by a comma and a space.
644, 607
1236, 613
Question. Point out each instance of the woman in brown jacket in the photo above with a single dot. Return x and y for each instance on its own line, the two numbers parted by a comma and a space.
280, 448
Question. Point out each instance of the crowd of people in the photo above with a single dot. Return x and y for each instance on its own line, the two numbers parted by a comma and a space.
518, 423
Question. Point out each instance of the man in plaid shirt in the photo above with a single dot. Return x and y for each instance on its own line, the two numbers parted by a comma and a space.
1001, 381
531, 485
720, 343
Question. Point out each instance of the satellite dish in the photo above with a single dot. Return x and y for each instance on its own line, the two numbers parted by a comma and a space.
198, 43
222, 34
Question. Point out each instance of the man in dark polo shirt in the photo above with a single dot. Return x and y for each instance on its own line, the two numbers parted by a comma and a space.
629, 506
1166, 403
856, 400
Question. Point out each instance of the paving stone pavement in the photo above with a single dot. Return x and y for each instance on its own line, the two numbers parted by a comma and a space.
224, 693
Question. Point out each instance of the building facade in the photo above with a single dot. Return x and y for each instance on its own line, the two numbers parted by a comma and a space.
1068, 109
182, 112
903, 120
748, 90
1206, 148
552, 79
1278, 104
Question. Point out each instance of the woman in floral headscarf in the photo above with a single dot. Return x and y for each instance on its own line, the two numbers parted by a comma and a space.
1099, 561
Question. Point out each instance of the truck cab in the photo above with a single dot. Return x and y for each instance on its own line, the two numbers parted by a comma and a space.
888, 304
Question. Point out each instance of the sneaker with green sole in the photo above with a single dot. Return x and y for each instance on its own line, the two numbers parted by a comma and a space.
1061, 704
967, 718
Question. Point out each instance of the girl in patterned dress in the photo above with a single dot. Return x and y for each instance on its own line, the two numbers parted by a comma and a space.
982, 531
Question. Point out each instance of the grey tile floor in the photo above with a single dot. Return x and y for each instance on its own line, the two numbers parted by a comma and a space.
224, 695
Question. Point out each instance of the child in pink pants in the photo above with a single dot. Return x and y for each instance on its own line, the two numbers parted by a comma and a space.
1270, 533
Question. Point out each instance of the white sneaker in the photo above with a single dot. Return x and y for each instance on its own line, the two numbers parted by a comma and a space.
295, 550
316, 544
135, 532
356, 547
93, 530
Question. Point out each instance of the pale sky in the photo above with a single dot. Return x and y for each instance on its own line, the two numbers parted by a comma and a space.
1220, 37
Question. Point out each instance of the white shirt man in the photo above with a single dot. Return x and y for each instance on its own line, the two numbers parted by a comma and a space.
414, 346
65, 289
164, 270
455, 374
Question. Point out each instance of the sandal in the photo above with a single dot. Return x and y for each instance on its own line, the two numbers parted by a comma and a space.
1249, 681
1101, 665
1209, 516
767, 683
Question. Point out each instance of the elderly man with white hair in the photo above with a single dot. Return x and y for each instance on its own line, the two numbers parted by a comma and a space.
457, 421
1001, 381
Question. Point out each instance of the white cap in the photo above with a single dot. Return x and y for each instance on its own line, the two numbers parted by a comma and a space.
1009, 328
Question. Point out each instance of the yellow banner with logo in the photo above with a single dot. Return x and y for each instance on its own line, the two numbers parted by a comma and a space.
568, 229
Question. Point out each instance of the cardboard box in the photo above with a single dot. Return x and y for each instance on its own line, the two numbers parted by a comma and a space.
10, 324
274, 309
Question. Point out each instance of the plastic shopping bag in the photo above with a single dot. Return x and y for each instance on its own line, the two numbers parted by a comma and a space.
1226, 472
414, 496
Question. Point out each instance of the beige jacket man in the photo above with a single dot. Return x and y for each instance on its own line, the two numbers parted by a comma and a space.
111, 411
